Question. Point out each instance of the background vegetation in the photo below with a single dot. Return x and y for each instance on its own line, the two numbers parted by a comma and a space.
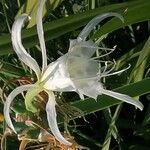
106, 124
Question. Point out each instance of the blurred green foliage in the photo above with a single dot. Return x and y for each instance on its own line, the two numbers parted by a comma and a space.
106, 124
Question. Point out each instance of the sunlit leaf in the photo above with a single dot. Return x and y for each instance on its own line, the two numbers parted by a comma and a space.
59, 27
30, 7
138, 71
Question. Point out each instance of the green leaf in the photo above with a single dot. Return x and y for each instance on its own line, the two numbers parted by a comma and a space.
20, 126
130, 17
90, 105
138, 71
146, 119
143, 132
126, 59
30, 8
11, 70
33, 133
111, 121
59, 27
139, 147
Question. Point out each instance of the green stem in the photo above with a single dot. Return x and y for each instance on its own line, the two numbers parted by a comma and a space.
110, 131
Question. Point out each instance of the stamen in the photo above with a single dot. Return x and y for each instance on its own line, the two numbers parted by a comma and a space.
105, 68
117, 72
113, 67
97, 47
111, 50
103, 61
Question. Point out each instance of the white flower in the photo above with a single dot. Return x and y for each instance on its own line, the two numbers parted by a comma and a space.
75, 71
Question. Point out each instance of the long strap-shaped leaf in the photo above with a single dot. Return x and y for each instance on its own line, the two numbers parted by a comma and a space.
136, 89
61, 26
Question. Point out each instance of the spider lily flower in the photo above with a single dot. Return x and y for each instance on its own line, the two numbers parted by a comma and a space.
78, 72
75, 71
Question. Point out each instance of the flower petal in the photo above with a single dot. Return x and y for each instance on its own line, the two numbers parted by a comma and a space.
124, 98
108, 73
51, 117
41, 33
18, 47
51, 69
89, 27
82, 49
90, 88
60, 80
80, 94
9, 100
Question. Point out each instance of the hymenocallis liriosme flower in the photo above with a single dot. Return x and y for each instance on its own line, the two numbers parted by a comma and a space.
74, 71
